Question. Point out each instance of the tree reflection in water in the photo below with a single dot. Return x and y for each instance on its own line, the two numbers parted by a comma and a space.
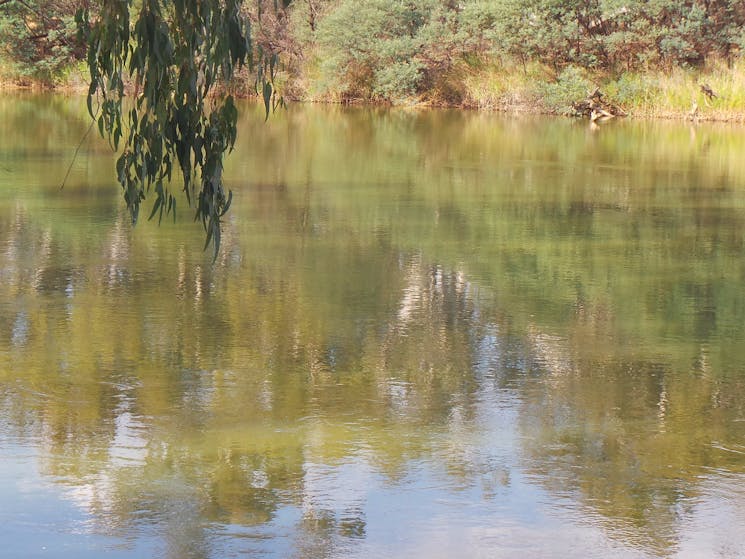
372, 370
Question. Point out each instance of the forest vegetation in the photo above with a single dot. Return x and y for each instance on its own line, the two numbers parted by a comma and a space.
650, 57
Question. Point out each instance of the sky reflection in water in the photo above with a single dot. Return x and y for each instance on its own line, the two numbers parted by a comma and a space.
429, 334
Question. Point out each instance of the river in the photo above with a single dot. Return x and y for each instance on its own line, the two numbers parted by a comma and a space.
427, 334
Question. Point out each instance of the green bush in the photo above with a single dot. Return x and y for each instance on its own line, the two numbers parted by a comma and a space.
570, 86
390, 50
631, 90
398, 80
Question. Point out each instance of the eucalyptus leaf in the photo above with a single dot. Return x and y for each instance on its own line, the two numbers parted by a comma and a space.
175, 52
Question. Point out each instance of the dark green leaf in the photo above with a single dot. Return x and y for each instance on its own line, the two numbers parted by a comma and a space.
267, 92
156, 206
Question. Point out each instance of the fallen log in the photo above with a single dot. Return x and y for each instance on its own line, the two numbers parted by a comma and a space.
596, 108
600, 114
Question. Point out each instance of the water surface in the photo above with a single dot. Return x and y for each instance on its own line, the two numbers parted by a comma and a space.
428, 334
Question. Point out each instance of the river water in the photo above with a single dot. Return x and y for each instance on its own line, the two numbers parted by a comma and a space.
428, 334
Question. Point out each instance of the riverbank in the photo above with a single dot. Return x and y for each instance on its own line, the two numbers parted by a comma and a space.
716, 93
533, 88
72, 79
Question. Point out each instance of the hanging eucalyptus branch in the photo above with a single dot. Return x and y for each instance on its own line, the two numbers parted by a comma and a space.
170, 54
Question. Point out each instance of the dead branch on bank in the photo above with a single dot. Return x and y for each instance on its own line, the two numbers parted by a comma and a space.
596, 108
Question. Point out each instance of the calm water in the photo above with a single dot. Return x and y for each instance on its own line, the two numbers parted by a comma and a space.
429, 334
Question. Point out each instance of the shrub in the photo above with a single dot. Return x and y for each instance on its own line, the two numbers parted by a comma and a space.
571, 85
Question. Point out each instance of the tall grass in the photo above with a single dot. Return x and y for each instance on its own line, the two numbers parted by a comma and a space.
673, 93
503, 87
71, 77
654, 93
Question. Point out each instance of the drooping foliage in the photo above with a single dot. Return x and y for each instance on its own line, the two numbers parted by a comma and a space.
169, 56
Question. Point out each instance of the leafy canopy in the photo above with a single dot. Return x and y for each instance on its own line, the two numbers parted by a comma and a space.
171, 55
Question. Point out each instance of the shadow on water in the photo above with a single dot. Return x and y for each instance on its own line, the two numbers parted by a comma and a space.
427, 333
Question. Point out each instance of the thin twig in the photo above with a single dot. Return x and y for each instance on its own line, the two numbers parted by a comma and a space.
75, 155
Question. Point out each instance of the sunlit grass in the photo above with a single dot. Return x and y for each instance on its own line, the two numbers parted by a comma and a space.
73, 77
673, 93
654, 93
503, 87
